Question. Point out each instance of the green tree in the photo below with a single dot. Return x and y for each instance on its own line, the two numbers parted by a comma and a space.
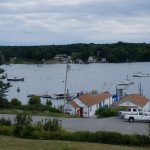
35, 100
15, 103
1, 58
3, 90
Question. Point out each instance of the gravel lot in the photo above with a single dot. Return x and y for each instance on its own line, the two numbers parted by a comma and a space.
92, 124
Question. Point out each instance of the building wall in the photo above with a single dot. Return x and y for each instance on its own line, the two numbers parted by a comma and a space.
89, 111
86, 112
70, 109
147, 107
107, 102
128, 104
92, 110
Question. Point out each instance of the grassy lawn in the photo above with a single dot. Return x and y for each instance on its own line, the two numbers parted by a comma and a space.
36, 113
12, 143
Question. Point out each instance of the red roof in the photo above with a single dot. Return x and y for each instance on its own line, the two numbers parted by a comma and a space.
136, 99
90, 100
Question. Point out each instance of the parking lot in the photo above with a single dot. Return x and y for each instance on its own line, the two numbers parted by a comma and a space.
91, 124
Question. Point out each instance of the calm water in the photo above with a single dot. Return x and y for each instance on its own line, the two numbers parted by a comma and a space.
49, 79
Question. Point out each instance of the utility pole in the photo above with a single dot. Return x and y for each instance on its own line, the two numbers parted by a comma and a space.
140, 89
65, 91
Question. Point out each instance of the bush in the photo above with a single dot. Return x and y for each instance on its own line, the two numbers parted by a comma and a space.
51, 109
106, 112
52, 125
6, 130
21, 122
15, 103
51, 130
23, 119
4, 103
35, 100
5, 122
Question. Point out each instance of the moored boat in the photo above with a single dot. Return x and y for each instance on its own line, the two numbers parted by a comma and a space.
125, 82
15, 79
140, 74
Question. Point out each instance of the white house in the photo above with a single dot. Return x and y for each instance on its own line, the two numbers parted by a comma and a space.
134, 100
85, 105
91, 60
103, 60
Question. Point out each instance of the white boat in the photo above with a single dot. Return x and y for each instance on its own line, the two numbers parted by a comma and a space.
140, 74
125, 82
80, 68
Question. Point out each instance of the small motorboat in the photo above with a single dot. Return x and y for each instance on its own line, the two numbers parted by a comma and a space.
15, 79
140, 74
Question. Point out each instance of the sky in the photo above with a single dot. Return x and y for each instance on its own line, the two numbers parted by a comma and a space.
46, 22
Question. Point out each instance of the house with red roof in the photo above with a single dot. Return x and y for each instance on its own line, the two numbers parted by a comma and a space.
85, 105
134, 100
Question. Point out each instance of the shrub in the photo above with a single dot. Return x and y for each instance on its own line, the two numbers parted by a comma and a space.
21, 122
106, 112
6, 130
35, 100
27, 132
48, 103
15, 103
4, 103
5, 122
51, 109
52, 125
23, 119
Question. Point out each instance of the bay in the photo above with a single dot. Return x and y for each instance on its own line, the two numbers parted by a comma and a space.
49, 78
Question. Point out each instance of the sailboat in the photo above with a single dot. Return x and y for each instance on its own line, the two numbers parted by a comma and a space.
125, 82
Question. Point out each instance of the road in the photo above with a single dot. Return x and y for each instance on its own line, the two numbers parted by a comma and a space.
92, 124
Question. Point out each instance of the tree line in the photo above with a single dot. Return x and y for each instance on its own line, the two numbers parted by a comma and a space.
114, 53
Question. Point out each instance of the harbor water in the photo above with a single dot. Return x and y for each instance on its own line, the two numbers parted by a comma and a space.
49, 78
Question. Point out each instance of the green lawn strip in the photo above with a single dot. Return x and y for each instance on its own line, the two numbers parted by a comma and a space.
13, 143
36, 113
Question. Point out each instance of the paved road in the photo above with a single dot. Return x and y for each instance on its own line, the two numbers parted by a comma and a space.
106, 124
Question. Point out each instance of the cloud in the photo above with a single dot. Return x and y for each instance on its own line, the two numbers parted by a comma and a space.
70, 21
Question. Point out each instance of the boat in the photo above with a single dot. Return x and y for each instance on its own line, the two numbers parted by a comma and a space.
125, 82
15, 79
80, 68
140, 74
18, 89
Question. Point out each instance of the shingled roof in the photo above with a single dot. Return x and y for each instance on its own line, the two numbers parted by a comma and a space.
90, 100
134, 98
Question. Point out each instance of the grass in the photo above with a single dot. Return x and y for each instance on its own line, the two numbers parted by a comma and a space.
36, 113
13, 143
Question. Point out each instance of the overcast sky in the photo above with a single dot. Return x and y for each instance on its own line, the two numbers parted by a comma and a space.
41, 22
